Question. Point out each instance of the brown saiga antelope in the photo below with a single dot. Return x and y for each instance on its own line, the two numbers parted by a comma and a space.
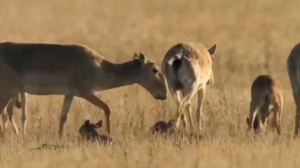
88, 131
266, 98
163, 127
293, 67
71, 70
188, 69
17, 101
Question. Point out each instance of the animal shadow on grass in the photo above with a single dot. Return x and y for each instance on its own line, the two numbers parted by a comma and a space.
88, 131
48, 146
168, 130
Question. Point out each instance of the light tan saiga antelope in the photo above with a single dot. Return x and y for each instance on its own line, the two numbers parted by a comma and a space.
188, 69
293, 67
71, 70
88, 131
17, 101
266, 98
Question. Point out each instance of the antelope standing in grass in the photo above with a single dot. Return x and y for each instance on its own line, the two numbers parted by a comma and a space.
188, 69
71, 70
17, 101
293, 67
266, 98
88, 131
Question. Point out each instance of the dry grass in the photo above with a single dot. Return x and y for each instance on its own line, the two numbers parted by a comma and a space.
253, 37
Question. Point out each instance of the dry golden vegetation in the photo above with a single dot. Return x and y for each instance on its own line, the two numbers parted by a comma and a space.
253, 37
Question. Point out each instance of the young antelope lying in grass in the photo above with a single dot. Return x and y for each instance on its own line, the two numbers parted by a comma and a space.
163, 127
88, 132
169, 128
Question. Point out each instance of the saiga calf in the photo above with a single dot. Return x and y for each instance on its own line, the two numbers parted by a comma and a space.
266, 98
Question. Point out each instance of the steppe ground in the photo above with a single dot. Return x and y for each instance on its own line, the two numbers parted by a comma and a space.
253, 37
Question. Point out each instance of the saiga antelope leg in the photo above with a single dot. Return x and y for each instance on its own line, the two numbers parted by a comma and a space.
296, 87
24, 111
186, 99
259, 119
64, 113
201, 94
189, 109
178, 100
296, 95
4, 120
277, 111
10, 108
253, 112
297, 118
4, 99
97, 102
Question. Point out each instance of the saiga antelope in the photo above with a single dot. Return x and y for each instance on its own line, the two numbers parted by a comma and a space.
293, 67
71, 70
163, 127
17, 101
266, 98
88, 131
168, 129
188, 69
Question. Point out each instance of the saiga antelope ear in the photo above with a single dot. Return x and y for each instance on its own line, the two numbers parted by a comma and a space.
212, 51
99, 124
140, 56
87, 123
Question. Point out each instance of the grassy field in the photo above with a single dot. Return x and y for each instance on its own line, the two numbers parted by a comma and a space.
252, 37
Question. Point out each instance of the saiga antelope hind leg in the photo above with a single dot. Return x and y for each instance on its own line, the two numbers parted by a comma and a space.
4, 99
15, 101
64, 113
186, 99
253, 113
177, 99
189, 110
9, 109
277, 111
24, 111
4, 120
296, 96
201, 94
